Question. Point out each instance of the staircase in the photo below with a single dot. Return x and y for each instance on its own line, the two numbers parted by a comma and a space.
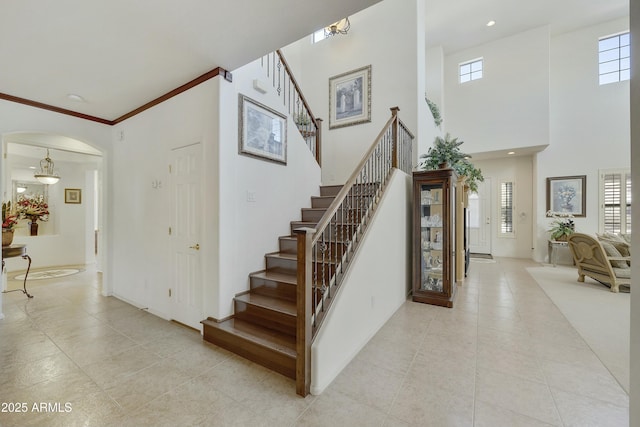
263, 327
275, 321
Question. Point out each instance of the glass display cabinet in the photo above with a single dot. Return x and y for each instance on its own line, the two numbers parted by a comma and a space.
434, 237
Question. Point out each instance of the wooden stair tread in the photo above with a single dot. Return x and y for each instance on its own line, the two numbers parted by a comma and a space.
275, 304
257, 334
283, 255
276, 276
301, 224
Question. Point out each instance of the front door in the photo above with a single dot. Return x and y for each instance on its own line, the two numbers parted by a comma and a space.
480, 219
186, 293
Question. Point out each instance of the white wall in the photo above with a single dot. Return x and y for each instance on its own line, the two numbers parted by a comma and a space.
141, 214
589, 123
397, 78
376, 285
248, 230
236, 233
509, 106
434, 77
516, 169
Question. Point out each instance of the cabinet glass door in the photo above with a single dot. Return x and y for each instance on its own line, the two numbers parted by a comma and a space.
431, 237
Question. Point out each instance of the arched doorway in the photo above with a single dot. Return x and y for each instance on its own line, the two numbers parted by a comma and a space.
71, 235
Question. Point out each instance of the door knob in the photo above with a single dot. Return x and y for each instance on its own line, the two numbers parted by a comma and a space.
196, 247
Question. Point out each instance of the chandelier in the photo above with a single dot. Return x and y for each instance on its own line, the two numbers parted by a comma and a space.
340, 27
47, 175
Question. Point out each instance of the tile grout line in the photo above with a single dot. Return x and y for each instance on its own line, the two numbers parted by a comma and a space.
406, 374
541, 366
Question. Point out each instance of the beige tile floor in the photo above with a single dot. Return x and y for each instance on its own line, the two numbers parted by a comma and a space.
504, 356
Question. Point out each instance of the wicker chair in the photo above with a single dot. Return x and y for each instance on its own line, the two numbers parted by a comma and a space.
592, 260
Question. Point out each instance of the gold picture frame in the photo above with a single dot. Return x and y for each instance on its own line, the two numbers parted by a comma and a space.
73, 196
350, 98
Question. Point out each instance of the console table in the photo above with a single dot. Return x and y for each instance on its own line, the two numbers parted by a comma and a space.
553, 250
12, 251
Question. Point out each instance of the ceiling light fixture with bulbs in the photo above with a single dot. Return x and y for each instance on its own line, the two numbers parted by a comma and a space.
340, 27
47, 174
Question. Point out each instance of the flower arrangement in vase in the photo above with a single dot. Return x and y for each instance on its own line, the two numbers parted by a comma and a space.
34, 209
566, 193
9, 223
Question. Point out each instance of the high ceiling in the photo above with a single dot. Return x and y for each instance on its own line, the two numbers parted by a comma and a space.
119, 54
459, 24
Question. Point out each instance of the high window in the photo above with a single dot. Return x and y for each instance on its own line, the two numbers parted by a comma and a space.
613, 58
319, 35
615, 201
506, 208
471, 70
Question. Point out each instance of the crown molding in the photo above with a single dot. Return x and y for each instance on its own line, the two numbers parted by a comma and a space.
195, 82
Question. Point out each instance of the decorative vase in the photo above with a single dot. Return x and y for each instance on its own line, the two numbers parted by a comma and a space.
34, 228
562, 238
7, 237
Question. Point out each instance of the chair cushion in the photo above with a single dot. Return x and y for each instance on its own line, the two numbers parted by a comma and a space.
611, 250
620, 243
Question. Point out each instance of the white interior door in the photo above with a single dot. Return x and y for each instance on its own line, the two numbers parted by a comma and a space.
480, 219
186, 294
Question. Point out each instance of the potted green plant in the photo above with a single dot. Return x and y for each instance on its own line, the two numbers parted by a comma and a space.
562, 226
446, 153
302, 119
435, 111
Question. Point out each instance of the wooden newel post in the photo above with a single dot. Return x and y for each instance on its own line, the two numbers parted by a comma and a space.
394, 136
304, 310
319, 141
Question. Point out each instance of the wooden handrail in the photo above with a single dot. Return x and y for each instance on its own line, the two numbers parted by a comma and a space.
287, 88
295, 84
342, 194
303, 312
324, 253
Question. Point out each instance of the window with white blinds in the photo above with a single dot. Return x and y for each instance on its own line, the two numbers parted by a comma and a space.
615, 201
506, 208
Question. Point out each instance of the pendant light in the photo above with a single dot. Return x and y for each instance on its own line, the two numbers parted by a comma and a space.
47, 175
340, 27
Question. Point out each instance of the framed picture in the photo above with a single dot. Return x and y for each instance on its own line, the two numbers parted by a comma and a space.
350, 98
263, 131
73, 195
567, 194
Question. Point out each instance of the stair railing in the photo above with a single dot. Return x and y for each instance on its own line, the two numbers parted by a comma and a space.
287, 88
324, 253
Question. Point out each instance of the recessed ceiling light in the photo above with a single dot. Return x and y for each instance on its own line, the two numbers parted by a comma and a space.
74, 97
511, 152
491, 23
